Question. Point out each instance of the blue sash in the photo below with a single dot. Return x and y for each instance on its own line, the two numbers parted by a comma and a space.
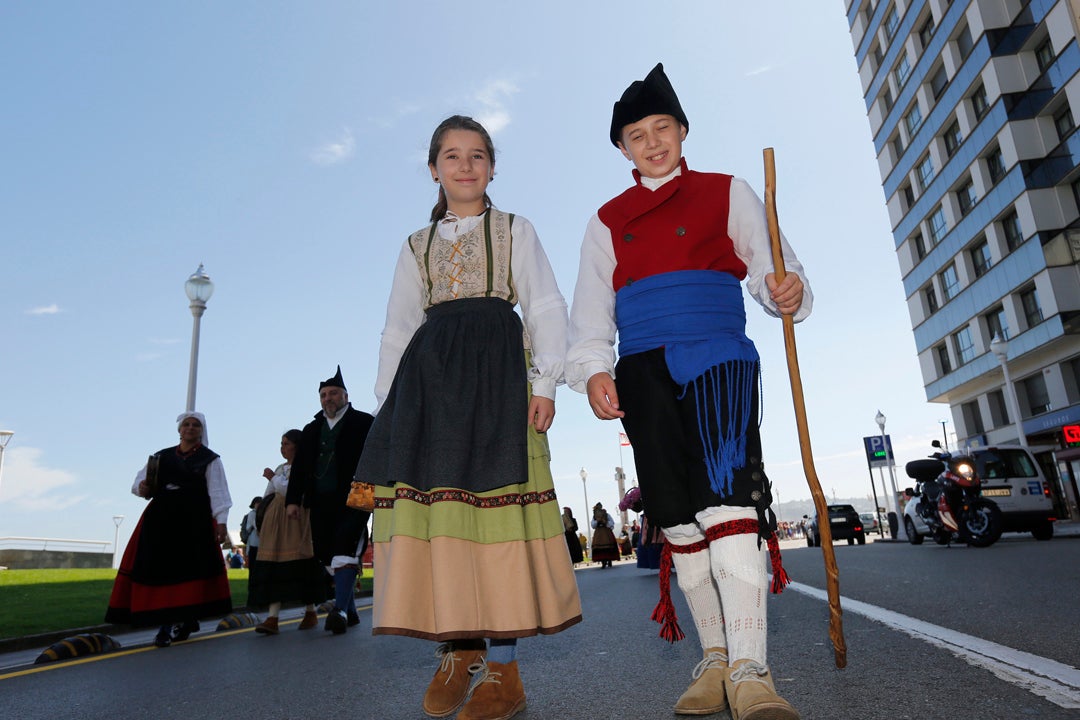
698, 317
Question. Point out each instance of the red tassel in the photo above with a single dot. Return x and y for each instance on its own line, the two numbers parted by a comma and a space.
664, 612
780, 578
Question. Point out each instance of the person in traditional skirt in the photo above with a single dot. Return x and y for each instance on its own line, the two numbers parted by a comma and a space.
570, 528
320, 479
605, 549
661, 266
172, 572
468, 538
286, 568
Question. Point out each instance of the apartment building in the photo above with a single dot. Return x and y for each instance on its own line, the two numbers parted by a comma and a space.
971, 108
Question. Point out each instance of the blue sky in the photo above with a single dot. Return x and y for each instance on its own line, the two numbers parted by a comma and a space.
283, 146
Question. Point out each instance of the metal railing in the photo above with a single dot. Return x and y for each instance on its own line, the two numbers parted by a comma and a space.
55, 544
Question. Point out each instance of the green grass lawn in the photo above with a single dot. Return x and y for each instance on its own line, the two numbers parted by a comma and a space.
41, 601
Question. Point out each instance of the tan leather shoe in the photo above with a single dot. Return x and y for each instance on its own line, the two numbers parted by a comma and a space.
448, 689
706, 694
497, 694
752, 694
269, 626
310, 620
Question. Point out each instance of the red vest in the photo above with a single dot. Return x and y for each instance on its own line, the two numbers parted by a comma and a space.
680, 226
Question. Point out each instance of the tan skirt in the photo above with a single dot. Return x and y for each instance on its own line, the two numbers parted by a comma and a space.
282, 539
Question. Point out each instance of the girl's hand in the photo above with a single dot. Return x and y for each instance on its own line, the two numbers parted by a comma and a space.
221, 533
541, 413
787, 294
268, 473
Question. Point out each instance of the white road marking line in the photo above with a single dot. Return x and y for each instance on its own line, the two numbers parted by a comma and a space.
1057, 682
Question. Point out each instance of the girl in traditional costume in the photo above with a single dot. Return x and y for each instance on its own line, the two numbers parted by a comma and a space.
468, 535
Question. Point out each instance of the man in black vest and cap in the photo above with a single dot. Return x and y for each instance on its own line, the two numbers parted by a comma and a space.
330, 447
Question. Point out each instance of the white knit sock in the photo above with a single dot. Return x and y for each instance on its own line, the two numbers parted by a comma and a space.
273, 610
693, 573
738, 567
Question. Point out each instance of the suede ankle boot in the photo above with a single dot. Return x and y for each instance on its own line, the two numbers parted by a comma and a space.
706, 694
497, 694
309, 621
752, 694
269, 626
448, 689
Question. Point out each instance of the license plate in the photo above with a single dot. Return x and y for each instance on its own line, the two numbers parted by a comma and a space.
997, 492
838, 520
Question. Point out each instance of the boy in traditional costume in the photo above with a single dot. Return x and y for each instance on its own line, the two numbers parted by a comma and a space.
661, 264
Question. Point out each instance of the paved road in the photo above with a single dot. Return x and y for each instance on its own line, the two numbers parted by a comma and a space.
897, 600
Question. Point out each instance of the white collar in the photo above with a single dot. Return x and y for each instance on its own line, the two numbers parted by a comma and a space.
655, 183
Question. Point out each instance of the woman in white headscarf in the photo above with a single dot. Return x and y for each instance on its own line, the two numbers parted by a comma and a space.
172, 572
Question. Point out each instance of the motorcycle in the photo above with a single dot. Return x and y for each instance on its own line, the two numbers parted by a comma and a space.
949, 503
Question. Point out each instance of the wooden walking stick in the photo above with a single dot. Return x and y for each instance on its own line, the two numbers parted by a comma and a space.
832, 573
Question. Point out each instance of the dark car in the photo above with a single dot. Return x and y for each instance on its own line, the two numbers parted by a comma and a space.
845, 523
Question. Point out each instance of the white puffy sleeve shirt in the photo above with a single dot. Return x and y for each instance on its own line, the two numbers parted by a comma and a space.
543, 308
216, 486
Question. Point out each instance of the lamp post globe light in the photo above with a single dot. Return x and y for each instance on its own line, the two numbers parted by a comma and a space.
117, 519
1000, 348
5, 437
199, 289
901, 532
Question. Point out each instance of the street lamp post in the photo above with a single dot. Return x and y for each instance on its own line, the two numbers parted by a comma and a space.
944, 434
1000, 348
199, 289
588, 512
901, 532
117, 519
5, 436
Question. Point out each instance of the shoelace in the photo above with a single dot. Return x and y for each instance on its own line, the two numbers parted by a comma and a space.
449, 661
712, 660
485, 674
750, 671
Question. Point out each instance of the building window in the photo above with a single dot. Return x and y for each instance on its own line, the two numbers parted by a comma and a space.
1029, 300
1044, 55
898, 145
913, 120
937, 225
963, 42
980, 257
944, 364
964, 347
919, 245
999, 411
973, 422
953, 138
931, 299
909, 196
938, 81
887, 99
950, 283
1070, 373
997, 323
1010, 225
902, 70
978, 102
995, 165
878, 56
1063, 121
925, 172
1038, 398
965, 197
892, 22
926, 32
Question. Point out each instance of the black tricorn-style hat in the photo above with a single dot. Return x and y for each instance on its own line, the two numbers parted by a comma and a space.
335, 381
651, 96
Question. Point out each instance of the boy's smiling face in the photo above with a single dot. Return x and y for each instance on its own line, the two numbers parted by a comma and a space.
653, 144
